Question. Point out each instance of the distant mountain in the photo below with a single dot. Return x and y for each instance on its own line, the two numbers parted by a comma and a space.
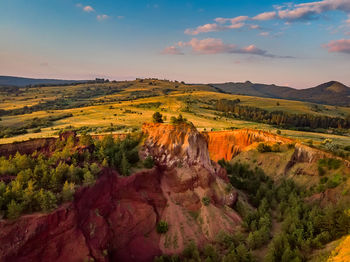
331, 93
21, 81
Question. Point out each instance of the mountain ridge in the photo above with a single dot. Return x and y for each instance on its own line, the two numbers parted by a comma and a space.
331, 93
25, 81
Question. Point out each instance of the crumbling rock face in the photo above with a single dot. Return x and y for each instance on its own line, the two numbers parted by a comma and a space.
227, 144
189, 176
106, 222
176, 145
116, 219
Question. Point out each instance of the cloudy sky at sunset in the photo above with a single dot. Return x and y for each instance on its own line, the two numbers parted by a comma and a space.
299, 43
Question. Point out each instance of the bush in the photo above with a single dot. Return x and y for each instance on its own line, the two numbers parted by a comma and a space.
148, 162
162, 227
275, 148
206, 201
263, 148
157, 117
178, 120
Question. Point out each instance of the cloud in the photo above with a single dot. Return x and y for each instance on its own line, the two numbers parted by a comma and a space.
264, 34
312, 10
255, 27
220, 25
265, 16
339, 46
204, 29
210, 46
86, 8
102, 17
172, 50
288, 12
235, 20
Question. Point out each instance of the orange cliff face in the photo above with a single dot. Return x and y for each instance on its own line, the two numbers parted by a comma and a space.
188, 176
116, 219
227, 144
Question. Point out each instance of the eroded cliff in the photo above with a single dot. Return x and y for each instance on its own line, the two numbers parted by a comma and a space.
116, 219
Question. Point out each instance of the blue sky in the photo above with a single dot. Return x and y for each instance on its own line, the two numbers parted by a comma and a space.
300, 44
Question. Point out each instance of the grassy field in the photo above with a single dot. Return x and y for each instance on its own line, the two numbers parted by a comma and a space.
127, 105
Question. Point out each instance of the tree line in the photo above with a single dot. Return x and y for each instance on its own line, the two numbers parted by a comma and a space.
232, 108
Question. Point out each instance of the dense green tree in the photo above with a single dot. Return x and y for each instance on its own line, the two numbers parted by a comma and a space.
157, 117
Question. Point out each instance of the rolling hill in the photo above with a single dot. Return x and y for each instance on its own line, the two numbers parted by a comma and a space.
331, 93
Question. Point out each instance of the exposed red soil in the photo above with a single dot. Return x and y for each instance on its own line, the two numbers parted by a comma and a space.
112, 221
227, 144
116, 219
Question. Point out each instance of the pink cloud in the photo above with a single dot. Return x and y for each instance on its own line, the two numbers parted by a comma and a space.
88, 9
307, 11
203, 29
264, 34
234, 23
102, 17
339, 46
232, 20
172, 50
254, 27
211, 46
265, 16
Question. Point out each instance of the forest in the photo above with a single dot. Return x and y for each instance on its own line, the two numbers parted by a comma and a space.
305, 226
40, 182
232, 108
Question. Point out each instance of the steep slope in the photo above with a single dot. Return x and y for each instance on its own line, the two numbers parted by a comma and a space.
290, 159
227, 144
342, 252
116, 219
332, 93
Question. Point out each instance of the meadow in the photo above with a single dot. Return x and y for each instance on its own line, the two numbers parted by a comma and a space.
114, 107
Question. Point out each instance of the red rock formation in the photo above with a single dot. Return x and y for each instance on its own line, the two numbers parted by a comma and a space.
227, 144
105, 222
115, 220
27, 147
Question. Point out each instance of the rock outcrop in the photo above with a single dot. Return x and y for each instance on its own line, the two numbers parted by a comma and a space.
112, 221
227, 144
116, 219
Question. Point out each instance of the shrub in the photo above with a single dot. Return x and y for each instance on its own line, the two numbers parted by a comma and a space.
263, 148
157, 117
275, 148
148, 162
177, 120
162, 227
206, 201
321, 171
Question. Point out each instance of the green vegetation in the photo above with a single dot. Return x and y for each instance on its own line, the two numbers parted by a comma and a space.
162, 227
157, 117
305, 226
279, 118
178, 120
40, 182
206, 201
148, 162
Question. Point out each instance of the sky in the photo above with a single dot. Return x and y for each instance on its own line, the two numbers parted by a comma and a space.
299, 44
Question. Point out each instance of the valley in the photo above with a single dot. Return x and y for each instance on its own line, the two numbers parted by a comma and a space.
155, 170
